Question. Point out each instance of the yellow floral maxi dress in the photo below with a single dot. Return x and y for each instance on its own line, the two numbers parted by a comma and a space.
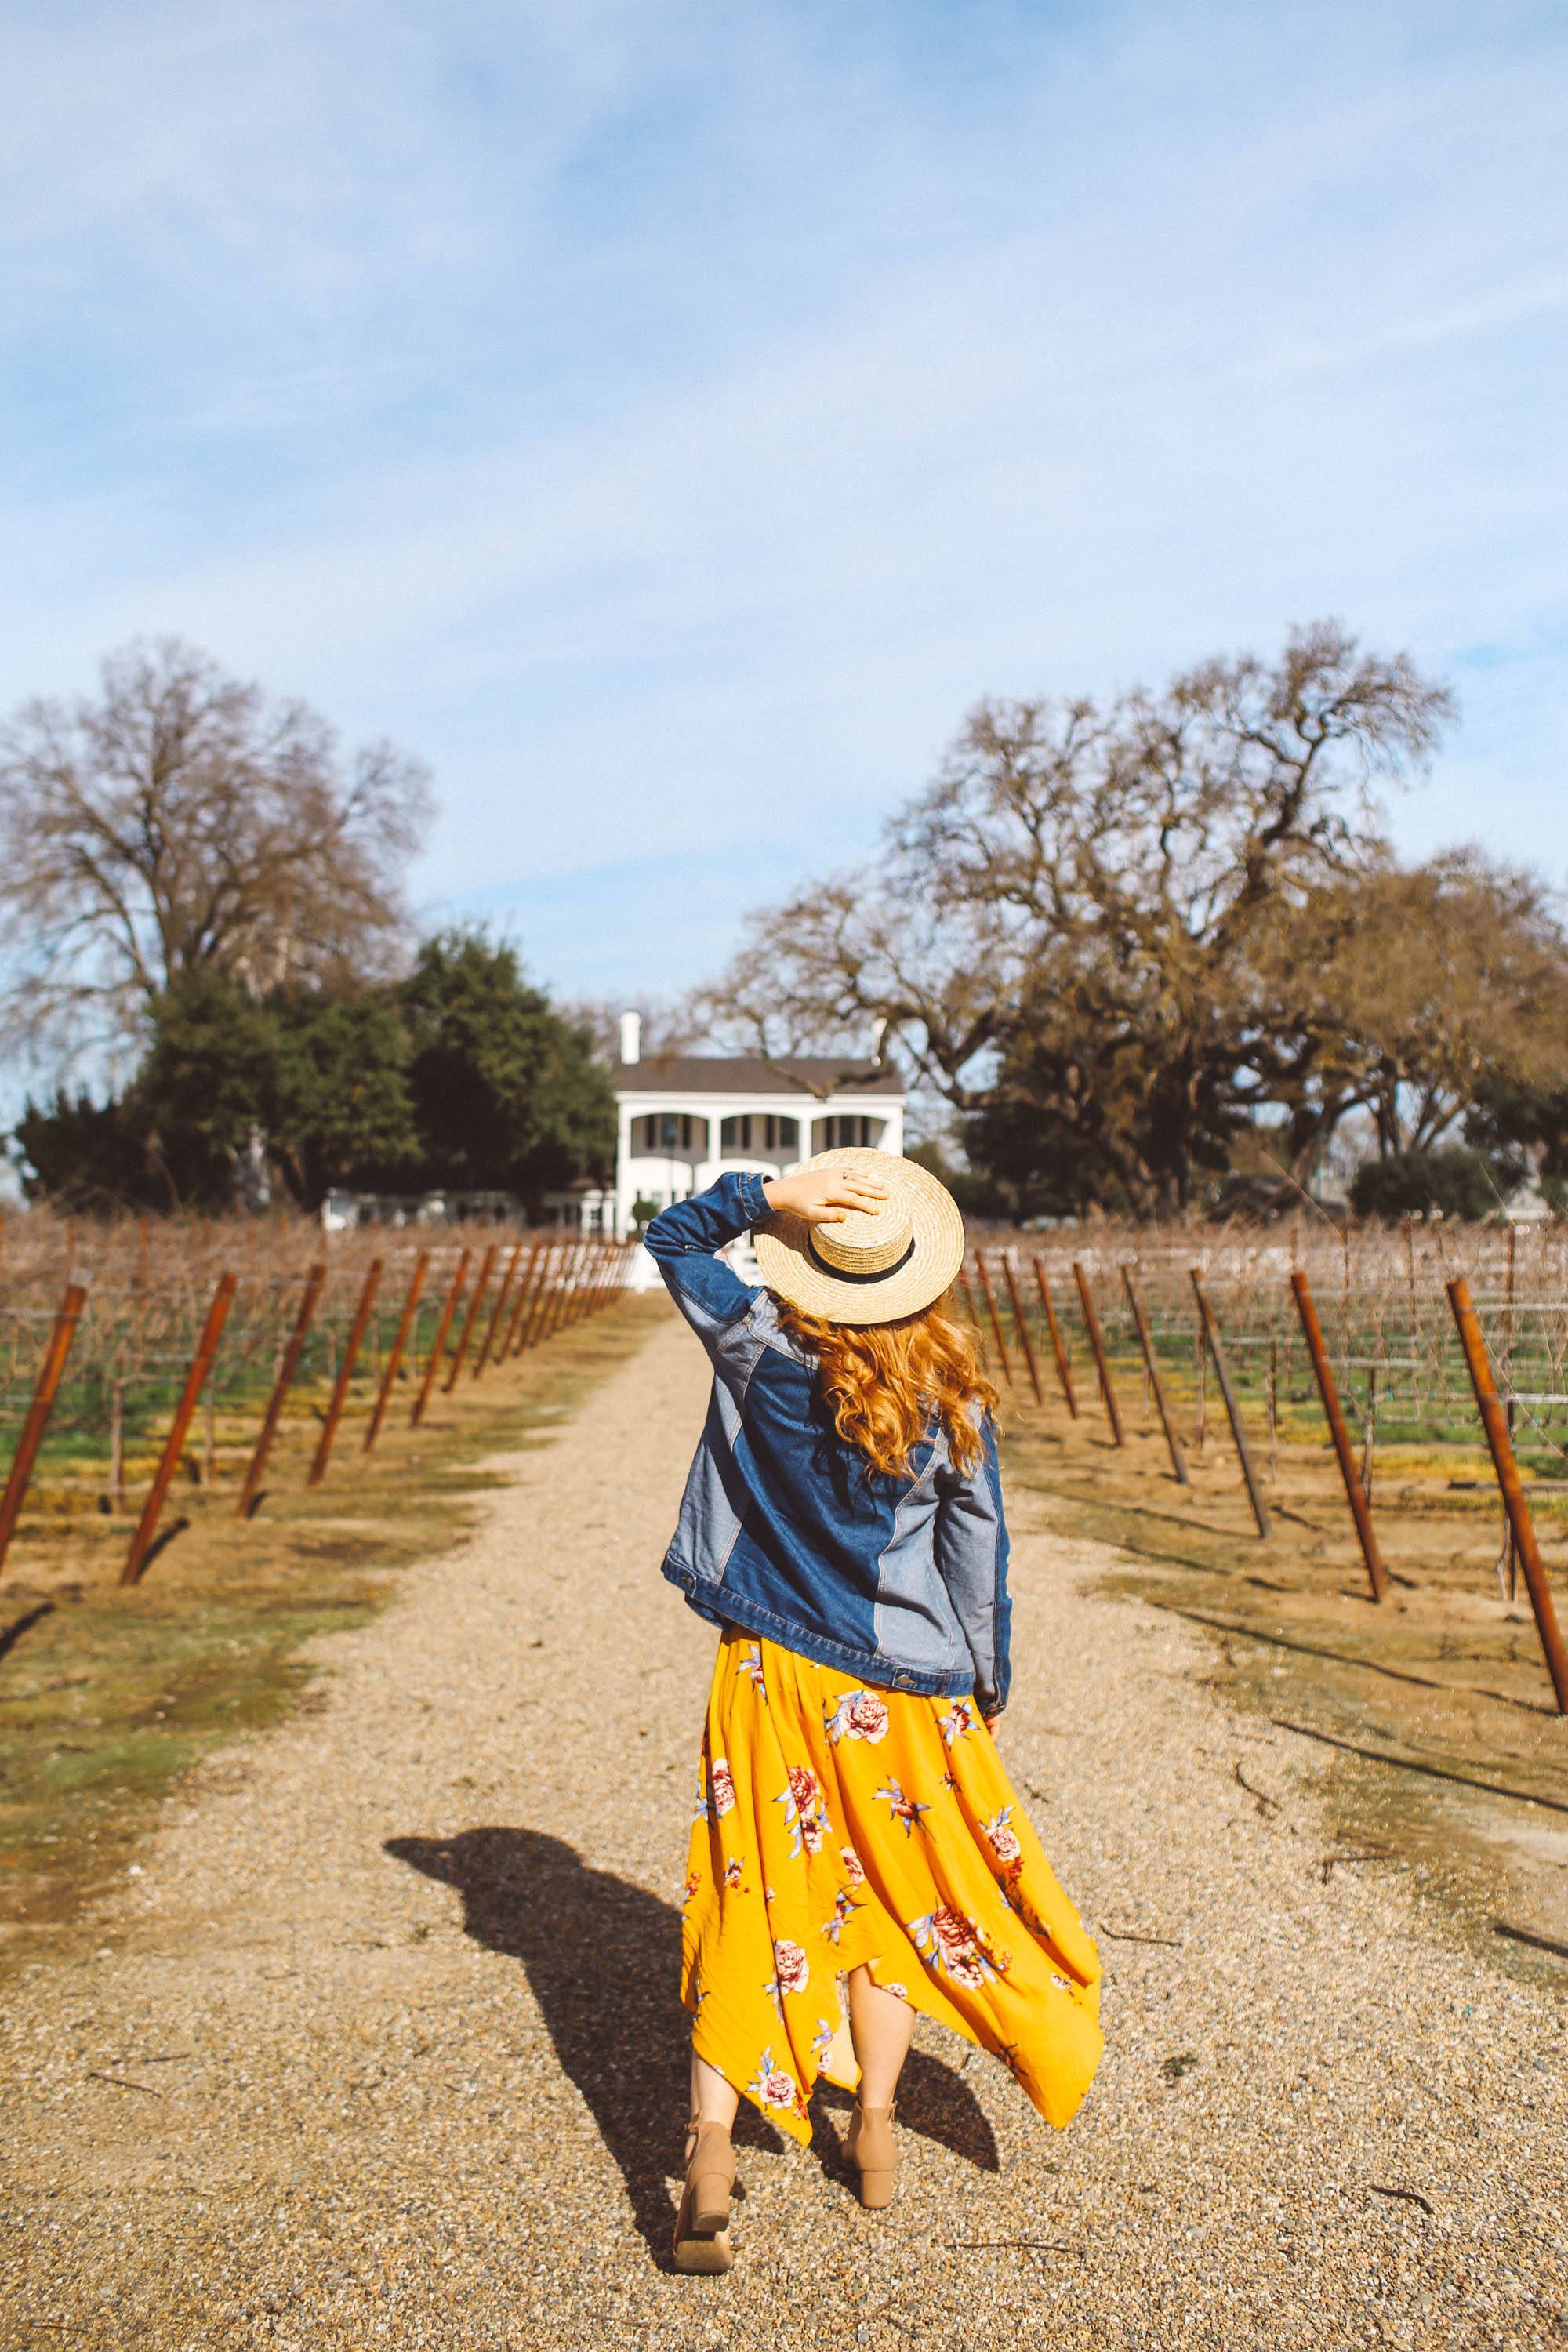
839, 1825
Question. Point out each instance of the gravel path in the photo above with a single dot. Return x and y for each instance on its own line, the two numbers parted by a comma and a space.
397, 1983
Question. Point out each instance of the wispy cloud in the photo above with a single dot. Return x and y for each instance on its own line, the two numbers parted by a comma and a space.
668, 421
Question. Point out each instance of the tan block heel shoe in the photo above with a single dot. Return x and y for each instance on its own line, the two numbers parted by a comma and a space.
870, 2146
702, 2224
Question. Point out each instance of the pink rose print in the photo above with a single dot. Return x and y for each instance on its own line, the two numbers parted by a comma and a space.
720, 1787
793, 1972
1004, 1842
859, 1714
949, 1946
773, 2087
853, 1868
803, 1816
899, 1992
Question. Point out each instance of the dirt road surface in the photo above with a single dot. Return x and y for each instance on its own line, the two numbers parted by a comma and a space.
380, 2043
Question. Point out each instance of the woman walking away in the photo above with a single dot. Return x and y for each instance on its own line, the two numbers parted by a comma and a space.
858, 1854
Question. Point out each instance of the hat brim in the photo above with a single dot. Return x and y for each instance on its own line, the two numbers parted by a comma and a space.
935, 1256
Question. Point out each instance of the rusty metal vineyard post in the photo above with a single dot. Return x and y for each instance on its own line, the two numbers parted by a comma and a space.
1021, 1328
487, 1267
1156, 1385
995, 1321
1091, 1325
502, 1297
1495, 1424
50, 1372
1233, 1410
323, 1453
1355, 1494
1059, 1346
532, 1328
518, 1307
400, 1341
438, 1345
195, 1380
280, 1387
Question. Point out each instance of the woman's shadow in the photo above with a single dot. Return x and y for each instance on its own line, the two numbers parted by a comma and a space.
602, 1959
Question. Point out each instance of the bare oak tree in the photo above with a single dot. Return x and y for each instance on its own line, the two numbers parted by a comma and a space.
180, 822
1084, 904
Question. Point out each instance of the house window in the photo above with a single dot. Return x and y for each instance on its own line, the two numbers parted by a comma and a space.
664, 1131
844, 1130
755, 1131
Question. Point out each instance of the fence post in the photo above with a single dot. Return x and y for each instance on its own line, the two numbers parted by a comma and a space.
437, 1345
1058, 1347
502, 1295
525, 1291
395, 1361
1355, 1494
531, 1329
1156, 1385
1233, 1410
50, 1372
1514, 1501
1091, 1325
195, 1380
1022, 1328
966, 1289
280, 1387
345, 1372
486, 1267
996, 1319
555, 1309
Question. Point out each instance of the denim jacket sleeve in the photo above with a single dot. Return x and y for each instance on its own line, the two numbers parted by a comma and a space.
683, 1242
971, 1560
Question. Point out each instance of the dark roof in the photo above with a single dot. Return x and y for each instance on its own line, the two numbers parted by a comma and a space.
749, 1073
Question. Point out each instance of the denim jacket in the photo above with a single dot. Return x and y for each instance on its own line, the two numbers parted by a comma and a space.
786, 1530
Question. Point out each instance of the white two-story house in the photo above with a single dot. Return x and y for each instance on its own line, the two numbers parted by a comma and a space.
687, 1119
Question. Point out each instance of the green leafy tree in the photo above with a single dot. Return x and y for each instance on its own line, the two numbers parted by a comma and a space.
508, 1095
1455, 1184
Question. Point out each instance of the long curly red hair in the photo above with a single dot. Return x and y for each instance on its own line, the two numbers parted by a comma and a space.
884, 1383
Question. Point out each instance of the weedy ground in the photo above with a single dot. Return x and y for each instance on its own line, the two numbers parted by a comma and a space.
108, 1694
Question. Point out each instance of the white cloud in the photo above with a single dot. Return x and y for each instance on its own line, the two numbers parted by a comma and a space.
670, 421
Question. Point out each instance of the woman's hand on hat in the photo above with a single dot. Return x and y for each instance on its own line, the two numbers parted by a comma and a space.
825, 1196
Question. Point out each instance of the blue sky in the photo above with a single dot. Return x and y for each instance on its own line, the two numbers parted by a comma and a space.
669, 419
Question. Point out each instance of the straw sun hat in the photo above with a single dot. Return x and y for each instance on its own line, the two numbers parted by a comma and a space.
876, 1263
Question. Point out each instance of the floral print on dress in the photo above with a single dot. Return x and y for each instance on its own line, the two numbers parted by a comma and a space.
947, 1943
957, 1723
844, 1909
904, 1809
807, 1867
858, 1714
720, 1787
772, 2087
805, 1817
1003, 1838
693, 1880
792, 1971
